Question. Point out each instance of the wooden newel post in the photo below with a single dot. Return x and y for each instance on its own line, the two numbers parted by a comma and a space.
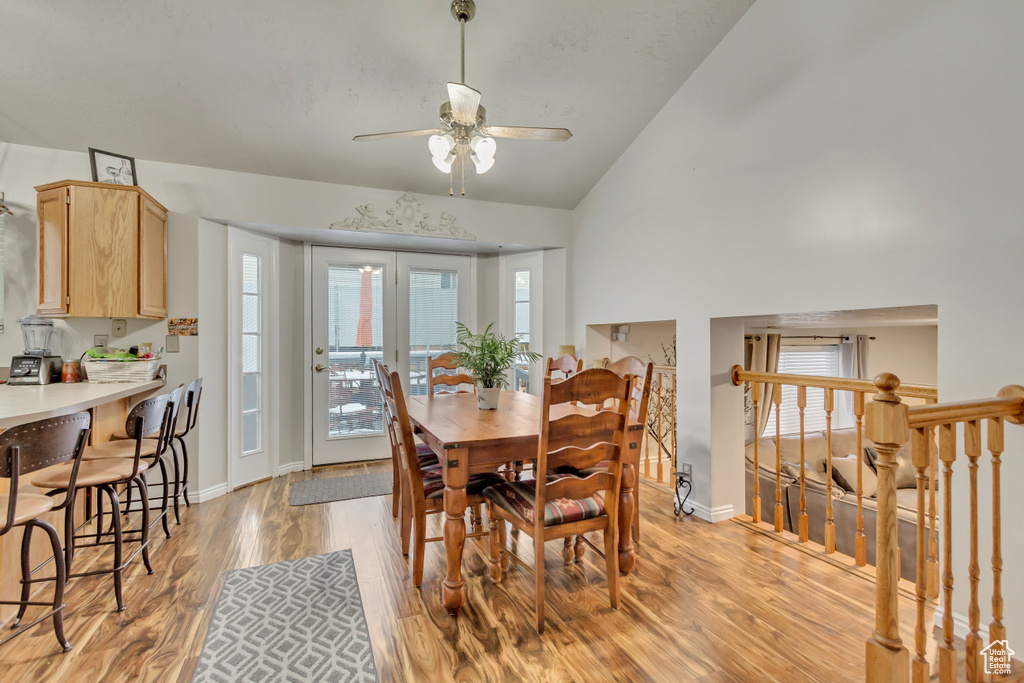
888, 427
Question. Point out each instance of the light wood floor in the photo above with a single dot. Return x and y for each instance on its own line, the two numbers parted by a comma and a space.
705, 603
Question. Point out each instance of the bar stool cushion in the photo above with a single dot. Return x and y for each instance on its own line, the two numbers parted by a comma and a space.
518, 497
29, 506
118, 449
91, 473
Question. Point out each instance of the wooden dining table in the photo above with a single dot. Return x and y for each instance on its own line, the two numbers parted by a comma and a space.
468, 440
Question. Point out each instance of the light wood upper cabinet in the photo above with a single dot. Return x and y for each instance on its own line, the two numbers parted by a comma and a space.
102, 251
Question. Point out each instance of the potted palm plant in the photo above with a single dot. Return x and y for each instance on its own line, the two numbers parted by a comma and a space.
488, 357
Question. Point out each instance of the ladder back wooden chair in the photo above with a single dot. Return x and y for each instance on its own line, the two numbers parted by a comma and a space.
640, 395
106, 475
446, 380
567, 364
556, 505
426, 457
25, 449
422, 487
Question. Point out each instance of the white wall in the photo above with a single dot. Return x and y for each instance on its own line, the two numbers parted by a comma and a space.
821, 141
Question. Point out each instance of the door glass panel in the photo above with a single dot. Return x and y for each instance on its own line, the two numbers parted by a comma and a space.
433, 311
521, 285
251, 397
355, 338
250, 432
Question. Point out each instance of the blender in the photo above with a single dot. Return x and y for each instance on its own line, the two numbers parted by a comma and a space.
37, 365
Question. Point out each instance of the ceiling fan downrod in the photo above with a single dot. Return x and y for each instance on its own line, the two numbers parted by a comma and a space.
463, 11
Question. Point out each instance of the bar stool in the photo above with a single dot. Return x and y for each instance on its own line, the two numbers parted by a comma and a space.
153, 448
25, 449
107, 475
193, 394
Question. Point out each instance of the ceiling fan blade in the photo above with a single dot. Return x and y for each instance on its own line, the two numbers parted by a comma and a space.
399, 134
525, 133
465, 102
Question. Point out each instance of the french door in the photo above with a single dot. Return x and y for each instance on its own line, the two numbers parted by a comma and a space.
398, 308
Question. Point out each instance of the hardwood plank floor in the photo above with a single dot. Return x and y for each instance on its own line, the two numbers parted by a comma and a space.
705, 603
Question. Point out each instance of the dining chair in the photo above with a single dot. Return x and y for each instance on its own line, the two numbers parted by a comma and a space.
25, 449
567, 364
423, 487
107, 475
563, 505
453, 378
640, 394
426, 457
156, 449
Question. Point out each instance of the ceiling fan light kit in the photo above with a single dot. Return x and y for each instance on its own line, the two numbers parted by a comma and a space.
465, 134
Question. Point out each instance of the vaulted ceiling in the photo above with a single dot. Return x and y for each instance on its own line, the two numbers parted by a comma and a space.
280, 88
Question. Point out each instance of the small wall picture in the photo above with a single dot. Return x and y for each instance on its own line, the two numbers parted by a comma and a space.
183, 327
115, 169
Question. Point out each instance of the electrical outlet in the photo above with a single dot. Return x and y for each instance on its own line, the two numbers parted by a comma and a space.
172, 343
119, 327
99, 340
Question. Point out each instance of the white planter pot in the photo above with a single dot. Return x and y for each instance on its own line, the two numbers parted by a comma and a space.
487, 399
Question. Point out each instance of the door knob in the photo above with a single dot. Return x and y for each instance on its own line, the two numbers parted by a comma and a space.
319, 350
320, 367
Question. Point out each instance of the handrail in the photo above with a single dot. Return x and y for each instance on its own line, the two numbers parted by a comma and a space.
964, 411
739, 376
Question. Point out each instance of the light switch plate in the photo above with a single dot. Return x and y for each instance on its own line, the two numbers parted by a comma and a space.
119, 327
99, 340
172, 343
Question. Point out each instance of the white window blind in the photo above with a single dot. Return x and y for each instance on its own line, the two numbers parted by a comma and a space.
433, 312
804, 360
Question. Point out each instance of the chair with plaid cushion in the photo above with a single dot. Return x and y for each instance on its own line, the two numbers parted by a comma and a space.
559, 505
423, 452
422, 486
639, 398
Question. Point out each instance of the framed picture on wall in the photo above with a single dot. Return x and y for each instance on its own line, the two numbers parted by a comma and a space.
115, 169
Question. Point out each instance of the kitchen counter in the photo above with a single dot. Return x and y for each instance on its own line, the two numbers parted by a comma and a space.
22, 404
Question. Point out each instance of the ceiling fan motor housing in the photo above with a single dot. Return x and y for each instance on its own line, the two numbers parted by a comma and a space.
463, 10
461, 132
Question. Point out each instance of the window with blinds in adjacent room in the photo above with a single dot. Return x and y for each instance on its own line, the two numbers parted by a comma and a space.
804, 360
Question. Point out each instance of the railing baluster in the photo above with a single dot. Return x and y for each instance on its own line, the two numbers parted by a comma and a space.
672, 413
661, 438
860, 542
777, 398
996, 630
932, 568
801, 404
972, 449
947, 651
920, 671
830, 525
755, 504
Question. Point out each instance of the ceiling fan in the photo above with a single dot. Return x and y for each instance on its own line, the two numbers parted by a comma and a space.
464, 134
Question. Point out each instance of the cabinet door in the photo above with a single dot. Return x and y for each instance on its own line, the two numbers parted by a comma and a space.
53, 253
152, 261
103, 253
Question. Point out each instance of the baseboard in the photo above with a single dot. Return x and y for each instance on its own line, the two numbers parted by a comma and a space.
213, 492
961, 625
713, 515
289, 467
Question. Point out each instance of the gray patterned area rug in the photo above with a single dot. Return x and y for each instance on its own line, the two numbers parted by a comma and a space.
291, 621
340, 488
